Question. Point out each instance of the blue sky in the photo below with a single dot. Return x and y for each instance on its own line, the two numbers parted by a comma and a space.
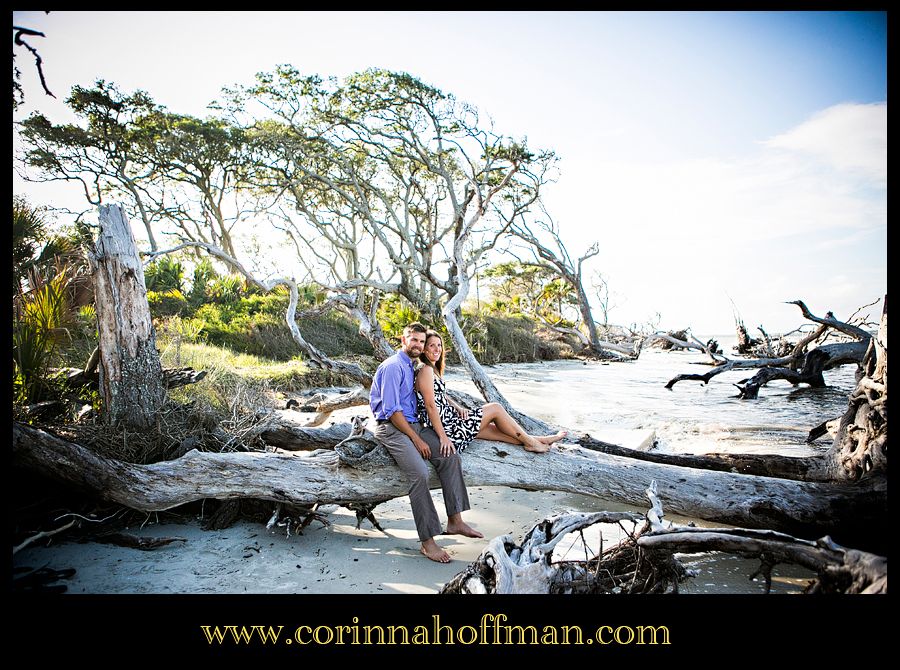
716, 156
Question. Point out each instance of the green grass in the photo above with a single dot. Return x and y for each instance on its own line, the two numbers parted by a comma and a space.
228, 370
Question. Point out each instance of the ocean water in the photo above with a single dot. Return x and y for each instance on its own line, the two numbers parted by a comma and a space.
611, 400
691, 418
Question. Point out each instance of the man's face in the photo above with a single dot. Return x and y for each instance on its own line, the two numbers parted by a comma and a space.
413, 344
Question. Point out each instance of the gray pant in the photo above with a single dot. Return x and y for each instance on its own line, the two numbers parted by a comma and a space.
449, 472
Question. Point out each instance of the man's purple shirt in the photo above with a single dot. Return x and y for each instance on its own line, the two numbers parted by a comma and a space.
392, 389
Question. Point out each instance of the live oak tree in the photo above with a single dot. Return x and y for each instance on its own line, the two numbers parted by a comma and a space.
178, 171
383, 159
103, 152
196, 171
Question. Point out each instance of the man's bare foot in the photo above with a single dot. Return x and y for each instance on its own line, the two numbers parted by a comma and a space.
461, 528
550, 439
430, 549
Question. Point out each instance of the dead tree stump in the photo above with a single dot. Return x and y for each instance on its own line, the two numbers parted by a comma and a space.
131, 380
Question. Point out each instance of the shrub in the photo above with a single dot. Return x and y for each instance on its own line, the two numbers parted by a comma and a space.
204, 272
164, 275
40, 324
225, 290
167, 303
394, 314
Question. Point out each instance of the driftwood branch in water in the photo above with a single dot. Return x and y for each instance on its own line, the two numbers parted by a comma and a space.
831, 355
831, 322
361, 472
644, 561
811, 364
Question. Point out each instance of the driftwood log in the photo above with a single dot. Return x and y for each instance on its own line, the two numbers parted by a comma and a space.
860, 446
798, 367
323, 406
644, 561
172, 377
829, 356
362, 472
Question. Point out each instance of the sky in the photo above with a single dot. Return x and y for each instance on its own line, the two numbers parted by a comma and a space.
722, 160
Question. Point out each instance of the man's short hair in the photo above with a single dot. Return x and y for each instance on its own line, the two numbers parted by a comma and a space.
414, 327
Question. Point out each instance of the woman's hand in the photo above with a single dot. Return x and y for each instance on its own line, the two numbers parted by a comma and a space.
462, 411
447, 447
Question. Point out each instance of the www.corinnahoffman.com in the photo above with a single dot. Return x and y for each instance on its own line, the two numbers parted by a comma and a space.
492, 629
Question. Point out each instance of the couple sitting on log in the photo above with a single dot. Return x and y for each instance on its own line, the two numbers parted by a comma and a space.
417, 421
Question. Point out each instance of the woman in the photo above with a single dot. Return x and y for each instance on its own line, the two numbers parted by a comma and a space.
456, 426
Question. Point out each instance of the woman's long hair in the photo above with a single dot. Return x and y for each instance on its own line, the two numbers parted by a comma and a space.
439, 364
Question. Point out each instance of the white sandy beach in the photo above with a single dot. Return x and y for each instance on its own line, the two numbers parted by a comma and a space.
248, 558
339, 558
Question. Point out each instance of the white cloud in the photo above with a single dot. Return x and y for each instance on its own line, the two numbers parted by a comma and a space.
764, 228
851, 137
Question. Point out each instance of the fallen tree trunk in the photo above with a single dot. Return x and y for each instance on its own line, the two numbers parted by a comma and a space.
289, 436
172, 377
370, 476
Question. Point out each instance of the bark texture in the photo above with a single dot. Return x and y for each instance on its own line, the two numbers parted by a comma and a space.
131, 381
860, 446
359, 471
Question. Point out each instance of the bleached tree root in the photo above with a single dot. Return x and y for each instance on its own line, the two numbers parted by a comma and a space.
859, 449
644, 561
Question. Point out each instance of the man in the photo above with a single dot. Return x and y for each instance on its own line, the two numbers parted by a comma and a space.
393, 403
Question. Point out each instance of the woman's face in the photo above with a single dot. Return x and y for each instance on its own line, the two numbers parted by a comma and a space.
433, 349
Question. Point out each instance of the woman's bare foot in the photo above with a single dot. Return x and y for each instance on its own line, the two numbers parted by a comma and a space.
531, 444
461, 528
550, 439
430, 549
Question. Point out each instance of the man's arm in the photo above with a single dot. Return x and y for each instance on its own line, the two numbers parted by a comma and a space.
400, 423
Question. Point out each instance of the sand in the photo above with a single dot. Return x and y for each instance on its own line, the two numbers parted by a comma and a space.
248, 558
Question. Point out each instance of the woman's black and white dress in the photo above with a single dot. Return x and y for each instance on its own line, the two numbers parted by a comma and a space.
460, 431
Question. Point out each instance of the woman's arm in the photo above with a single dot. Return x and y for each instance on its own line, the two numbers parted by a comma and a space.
462, 411
425, 386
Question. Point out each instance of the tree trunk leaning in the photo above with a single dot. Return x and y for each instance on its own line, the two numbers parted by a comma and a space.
131, 380
859, 450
